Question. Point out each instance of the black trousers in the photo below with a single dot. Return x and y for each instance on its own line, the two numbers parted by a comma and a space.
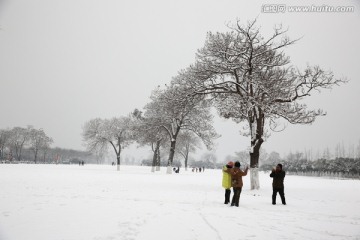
236, 197
281, 193
227, 195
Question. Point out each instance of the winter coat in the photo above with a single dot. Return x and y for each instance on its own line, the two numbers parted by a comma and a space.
236, 177
226, 180
278, 179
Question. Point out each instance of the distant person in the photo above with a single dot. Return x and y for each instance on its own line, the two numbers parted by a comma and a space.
200, 169
196, 169
79, 163
278, 176
82, 163
177, 170
237, 182
226, 181
203, 169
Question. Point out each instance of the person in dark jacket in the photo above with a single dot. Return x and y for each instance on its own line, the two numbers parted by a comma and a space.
278, 176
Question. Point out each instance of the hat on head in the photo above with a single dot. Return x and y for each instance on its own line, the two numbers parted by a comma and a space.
237, 164
231, 164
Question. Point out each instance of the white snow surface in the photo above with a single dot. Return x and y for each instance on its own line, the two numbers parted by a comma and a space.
91, 202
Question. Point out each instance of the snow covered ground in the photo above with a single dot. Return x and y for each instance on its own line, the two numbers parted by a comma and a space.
69, 202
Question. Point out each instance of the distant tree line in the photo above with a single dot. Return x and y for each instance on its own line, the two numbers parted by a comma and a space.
31, 145
341, 161
343, 165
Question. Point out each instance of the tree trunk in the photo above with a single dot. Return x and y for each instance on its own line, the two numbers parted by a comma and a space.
18, 153
117, 152
187, 157
155, 157
256, 127
171, 156
153, 165
158, 161
35, 157
255, 153
19, 158
254, 167
118, 161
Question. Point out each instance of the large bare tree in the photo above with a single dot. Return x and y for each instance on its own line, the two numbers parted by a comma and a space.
155, 137
100, 134
149, 132
172, 111
251, 80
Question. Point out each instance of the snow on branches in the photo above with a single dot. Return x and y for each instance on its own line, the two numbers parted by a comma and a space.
172, 110
117, 132
249, 78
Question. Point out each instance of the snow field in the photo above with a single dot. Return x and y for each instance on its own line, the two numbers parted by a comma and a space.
92, 202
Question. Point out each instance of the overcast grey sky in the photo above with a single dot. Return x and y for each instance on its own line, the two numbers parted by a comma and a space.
65, 62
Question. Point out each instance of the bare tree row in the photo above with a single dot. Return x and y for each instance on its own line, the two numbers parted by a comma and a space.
246, 76
13, 141
169, 120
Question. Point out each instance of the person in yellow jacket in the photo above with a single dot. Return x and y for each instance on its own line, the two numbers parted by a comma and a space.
226, 181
